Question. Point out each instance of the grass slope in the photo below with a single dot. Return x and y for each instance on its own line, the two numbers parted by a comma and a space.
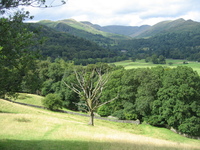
24, 127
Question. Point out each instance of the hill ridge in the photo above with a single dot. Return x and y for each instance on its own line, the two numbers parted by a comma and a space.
124, 32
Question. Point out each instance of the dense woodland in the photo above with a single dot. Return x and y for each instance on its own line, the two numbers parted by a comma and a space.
163, 97
81, 51
170, 45
71, 48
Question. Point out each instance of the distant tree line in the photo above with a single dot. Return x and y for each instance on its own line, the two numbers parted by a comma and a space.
72, 48
170, 45
178, 45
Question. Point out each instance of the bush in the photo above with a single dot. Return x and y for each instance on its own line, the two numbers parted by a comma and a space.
52, 102
104, 111
119, 114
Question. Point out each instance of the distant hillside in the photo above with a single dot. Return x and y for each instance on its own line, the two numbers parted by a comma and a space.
174, 26
84, 30
66, 46
123, 30
170, 26
178, 39
104, 35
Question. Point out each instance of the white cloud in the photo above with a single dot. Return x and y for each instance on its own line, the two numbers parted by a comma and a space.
126, 12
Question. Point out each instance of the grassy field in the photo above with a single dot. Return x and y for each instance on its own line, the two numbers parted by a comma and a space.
24, 127
128, 64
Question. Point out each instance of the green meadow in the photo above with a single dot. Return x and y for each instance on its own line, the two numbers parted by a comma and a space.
24, 127
128, 64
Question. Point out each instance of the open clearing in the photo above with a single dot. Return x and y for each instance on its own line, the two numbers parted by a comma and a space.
24, 127
128, 64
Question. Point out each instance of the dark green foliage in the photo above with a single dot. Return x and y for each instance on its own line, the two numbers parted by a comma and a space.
52, 102
166, 97
178, 101
69, 47
104, 111
31, 81
149, 84
160, 96
70, 98
177, 39
175, 45
113, 87
16, 55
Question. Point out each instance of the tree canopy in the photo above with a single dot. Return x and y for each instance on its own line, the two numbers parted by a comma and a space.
17, 54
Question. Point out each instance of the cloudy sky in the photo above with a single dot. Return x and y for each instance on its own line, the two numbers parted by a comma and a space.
120, 12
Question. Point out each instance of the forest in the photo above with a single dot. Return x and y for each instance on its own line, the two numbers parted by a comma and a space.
164, 97
72, 48
171, 45
81, 51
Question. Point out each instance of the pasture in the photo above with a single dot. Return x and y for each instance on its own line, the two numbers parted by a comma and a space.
128, 64
24, 127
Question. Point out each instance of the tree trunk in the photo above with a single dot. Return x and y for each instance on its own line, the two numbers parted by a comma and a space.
91, 122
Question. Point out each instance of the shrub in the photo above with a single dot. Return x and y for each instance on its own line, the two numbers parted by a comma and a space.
104, 111
52, 102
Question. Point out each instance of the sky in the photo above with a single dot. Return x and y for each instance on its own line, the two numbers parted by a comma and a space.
119, 12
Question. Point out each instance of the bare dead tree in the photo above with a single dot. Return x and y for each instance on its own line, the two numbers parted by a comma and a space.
8, 4
90, 90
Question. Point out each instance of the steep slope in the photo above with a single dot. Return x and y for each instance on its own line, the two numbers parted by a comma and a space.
144, 31
102, 34
67, 46
175, 26
83, 30
131, 31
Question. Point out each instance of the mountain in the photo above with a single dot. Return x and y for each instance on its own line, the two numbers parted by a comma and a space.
122, 30
174, 26
106, 34
144, 31
66, 46
177, 39
84, 30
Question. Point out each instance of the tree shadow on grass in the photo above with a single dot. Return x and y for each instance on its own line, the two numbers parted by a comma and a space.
7, 144
7, 112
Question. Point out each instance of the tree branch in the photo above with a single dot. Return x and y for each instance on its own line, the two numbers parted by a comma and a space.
106, 102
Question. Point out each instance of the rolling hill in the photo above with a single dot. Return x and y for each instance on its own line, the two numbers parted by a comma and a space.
84, 30
91, 31
64, 45
122, 30
177, 39
172, 26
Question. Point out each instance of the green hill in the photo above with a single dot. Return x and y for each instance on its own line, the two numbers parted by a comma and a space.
172, 26
176, 39
83, 30
66, 46
130, 31
24, 127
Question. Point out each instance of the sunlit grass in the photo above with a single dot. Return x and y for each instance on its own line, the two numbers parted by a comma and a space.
128, 64
24, 127
29, 99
